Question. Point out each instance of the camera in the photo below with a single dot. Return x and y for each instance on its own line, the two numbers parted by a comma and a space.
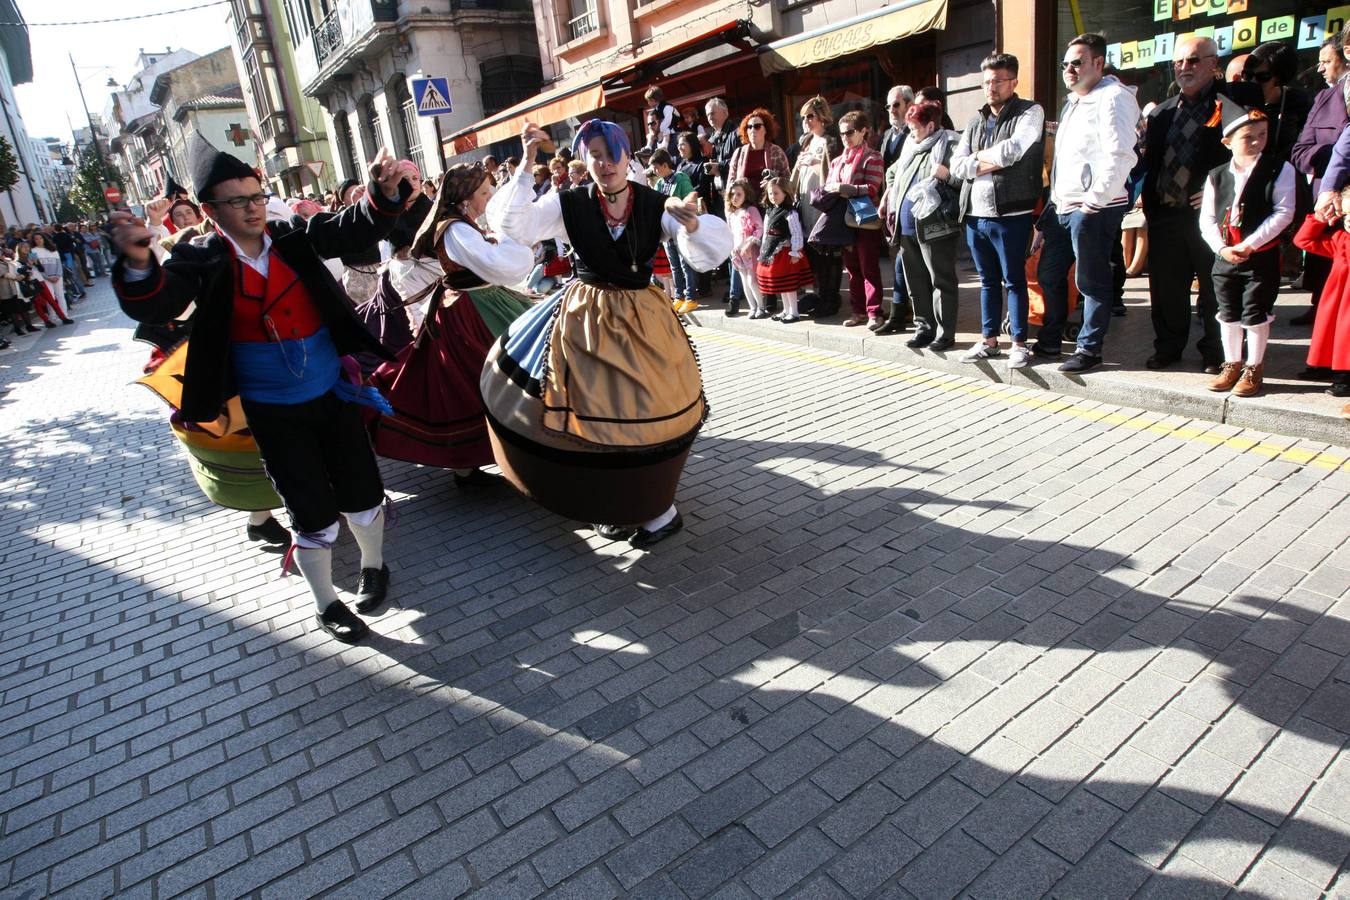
707, 168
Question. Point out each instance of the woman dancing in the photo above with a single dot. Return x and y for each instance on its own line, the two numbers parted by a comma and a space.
594, 396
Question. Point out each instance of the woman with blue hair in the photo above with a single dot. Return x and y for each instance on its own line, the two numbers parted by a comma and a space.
594, 397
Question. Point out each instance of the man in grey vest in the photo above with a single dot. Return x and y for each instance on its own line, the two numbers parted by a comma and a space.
1000, 158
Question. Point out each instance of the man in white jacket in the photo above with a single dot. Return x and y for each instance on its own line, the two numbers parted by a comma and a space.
1094, 153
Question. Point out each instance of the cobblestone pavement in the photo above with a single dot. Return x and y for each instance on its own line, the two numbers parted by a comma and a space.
922, 637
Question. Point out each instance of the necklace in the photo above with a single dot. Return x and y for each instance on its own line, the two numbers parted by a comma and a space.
622, 218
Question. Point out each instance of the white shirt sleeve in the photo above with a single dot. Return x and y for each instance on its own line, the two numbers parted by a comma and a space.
795, 233
705, 249
514, 212
1209, 225
963, 162
504, 263
1028, 130
1280, 219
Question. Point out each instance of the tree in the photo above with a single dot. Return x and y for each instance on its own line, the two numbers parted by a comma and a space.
91, 177
9, 168
66, 211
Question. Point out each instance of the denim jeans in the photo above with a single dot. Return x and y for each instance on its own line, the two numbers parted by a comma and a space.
1084, 238
685, 276
734, 289
899, 295
999, 248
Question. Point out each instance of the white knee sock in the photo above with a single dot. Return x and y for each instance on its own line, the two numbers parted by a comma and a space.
660, 521
257, 517
1231, 335
789, 311
316, 565
1257, 338
368, 529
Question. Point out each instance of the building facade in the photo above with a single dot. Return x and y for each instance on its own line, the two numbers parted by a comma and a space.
290, 127
599, 57
137, 136
26, 201
203, 97
358, 59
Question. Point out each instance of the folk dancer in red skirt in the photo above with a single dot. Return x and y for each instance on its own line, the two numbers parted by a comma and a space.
783, 268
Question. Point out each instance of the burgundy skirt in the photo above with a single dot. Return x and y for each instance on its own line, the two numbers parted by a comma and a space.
438, 415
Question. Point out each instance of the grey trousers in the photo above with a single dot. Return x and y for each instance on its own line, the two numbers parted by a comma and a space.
930, 275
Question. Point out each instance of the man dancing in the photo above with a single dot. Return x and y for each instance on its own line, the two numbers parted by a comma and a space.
271, 324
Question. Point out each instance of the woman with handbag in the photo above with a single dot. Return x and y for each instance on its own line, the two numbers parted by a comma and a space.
857, 177
809, 172
924, 206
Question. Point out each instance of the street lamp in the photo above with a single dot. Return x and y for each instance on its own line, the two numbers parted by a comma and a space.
93, 132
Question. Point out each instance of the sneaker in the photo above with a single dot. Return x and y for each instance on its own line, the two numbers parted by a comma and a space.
1019, 357
1081, 362
980, 351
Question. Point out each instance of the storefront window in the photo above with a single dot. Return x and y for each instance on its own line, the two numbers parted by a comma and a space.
1141, 34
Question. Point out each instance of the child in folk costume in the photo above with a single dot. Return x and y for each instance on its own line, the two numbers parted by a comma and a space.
1330, 346
1247, 203
747, 230
782, 268
676, 184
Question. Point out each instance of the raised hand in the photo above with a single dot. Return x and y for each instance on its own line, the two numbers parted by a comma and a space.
385, 172
131, 238
532, 137
155, 210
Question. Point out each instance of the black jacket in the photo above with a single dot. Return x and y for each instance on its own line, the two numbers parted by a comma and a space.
1212, 152
892, 142
200, 271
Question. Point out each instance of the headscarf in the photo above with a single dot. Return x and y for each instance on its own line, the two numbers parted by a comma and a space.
616, 139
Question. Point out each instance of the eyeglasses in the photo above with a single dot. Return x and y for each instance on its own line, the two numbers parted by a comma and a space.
1261, 77
753, 126
992, 81
808, 117
1071, 64
241, 202
1190, 62
848, 132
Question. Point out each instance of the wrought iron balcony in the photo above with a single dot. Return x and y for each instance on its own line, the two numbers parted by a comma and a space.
583, 24
327, 37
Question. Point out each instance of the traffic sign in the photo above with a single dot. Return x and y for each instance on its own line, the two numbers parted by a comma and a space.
315, 167
112, 194
432, 96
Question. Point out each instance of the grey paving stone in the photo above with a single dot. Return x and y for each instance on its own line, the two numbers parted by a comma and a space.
1025, 871
797, 858
873, 860
926, 817
1153, 829
724, 804
652, 852
1000, 821
716, 862
947, 868
577, 851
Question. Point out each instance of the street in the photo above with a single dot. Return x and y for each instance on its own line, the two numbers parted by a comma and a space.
922, 637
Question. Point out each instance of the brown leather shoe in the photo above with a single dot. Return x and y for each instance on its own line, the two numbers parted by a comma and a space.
1249, 384
1228, 376
1345, 411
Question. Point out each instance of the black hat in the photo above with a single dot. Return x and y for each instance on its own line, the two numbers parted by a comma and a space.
172, 188
346, 186
210, 167
1234, 116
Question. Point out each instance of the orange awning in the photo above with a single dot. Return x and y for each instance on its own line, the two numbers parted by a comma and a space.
576, 98
542, 109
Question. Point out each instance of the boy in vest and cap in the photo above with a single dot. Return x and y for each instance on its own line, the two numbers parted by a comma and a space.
271, 325
1248, 202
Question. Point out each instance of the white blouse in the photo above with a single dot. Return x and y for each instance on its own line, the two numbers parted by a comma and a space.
507, 262
514, 211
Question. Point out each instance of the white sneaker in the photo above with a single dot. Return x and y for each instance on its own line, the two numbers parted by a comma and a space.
980, 351
1019, 357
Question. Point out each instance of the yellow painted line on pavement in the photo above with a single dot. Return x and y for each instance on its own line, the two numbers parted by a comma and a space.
1056, 405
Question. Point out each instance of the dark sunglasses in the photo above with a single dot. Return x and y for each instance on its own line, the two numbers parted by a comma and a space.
848, 131
1261, 77
1071, 64
755, 125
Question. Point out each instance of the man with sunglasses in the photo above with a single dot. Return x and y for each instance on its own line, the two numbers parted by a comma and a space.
272, 325
1094, 153
1183, 143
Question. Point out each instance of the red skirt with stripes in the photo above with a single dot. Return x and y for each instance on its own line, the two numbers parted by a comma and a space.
783, 274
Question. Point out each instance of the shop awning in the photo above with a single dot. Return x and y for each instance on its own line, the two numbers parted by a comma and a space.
579, 97
887, 24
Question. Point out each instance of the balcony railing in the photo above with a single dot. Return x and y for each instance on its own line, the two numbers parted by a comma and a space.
327, 37
583, 24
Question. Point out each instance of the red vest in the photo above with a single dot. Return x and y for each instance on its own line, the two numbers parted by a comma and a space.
275, 308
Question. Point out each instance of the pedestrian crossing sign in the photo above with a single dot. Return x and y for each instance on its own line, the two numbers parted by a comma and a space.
432, 96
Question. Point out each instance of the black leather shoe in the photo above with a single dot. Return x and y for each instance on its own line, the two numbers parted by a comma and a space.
51, 325
645, 539
269, 532
1212, 368
893, 325
1081, 362
1159, 361
942, 345
615, 532
1339, 389
1042, 350
1306, 318
372, 589
476, 479
920, 340
67, 321
1314, 373
341, 623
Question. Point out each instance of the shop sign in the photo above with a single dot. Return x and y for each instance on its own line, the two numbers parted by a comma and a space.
911, 18
1244, 33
